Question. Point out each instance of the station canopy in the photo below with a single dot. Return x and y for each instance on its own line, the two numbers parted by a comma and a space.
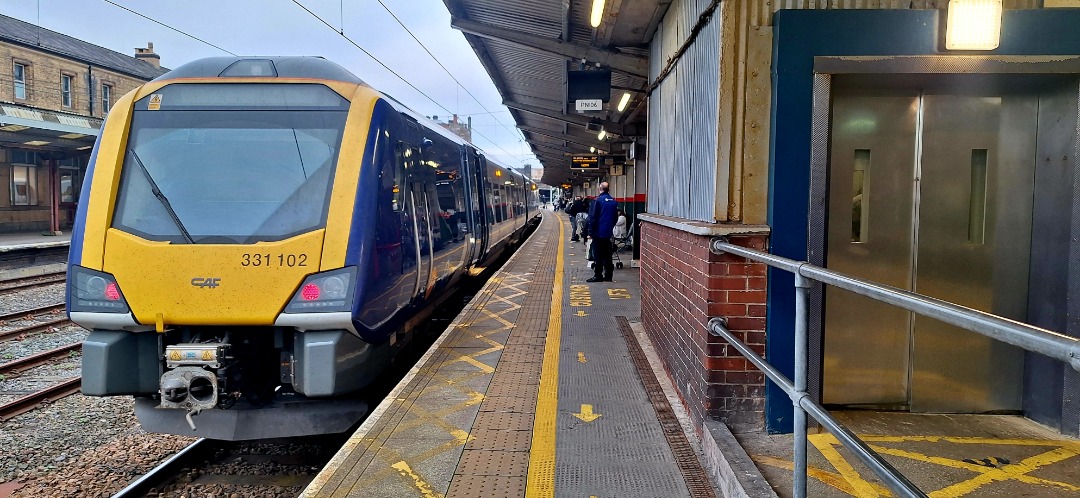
531, 48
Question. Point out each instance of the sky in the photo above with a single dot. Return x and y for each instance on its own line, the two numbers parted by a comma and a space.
282, 27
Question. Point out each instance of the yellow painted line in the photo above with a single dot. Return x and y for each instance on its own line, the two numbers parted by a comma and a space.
1011, 472
541, 479
1062, 443
829, 478
484, 367
824, 444
422, 486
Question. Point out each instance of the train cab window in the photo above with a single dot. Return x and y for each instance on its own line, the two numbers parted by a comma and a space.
236, 165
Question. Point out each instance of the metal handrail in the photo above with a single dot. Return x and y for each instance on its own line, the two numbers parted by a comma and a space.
1029, 337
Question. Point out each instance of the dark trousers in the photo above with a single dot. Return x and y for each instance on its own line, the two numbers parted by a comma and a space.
604, 268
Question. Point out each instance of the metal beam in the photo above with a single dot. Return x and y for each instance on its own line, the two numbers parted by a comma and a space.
580, 120
574, 139
634, 66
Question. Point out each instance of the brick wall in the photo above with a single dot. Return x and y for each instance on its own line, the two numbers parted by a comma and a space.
43, 81
682, 285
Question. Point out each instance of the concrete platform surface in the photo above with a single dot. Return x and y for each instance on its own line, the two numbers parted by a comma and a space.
16, 241
537, 388
945, 455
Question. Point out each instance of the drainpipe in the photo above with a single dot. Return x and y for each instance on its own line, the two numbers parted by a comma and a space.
54, 208
90, 88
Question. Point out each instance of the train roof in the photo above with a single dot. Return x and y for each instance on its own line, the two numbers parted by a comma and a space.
281, 67
302, 67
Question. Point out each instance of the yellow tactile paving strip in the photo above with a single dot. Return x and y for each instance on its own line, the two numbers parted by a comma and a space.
456, 406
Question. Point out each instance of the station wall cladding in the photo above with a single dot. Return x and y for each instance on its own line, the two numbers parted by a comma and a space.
682, 285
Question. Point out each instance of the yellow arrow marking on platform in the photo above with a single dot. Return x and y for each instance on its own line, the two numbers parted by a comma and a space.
582, 313
581, 357
586, 414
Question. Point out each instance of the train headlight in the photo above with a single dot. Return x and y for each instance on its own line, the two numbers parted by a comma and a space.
94, 291
324, 292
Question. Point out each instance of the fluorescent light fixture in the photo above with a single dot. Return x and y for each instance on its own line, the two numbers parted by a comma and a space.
973, 25
84, 147
601, 135
72, 136
623, 101
36, 142
12, 127
597, 13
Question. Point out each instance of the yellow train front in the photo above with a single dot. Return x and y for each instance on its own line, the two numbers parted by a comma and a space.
256, 237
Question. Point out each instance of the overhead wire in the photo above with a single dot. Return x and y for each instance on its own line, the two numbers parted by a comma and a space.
170, 27
381, 63
437, 61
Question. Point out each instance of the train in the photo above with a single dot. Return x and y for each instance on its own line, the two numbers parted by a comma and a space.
256, 237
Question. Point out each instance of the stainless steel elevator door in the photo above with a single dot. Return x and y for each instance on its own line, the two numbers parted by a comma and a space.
871, 179
974, 240
931, 193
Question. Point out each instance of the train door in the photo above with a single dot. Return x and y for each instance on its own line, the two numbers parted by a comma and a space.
930, 190
474, 240
485, 213
422, 209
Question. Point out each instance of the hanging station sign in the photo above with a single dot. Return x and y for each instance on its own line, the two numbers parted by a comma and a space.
585, 162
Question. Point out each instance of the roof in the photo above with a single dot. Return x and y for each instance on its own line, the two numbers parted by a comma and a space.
528, 45
36, 37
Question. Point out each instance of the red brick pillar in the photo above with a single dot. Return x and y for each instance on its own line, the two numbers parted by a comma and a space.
737, 292
682, 285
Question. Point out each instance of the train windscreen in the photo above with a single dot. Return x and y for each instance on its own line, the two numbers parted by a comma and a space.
230, 164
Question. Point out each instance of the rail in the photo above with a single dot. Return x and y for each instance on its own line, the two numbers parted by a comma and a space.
1029, 337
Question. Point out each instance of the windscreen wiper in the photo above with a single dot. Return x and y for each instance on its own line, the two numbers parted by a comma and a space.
161, 197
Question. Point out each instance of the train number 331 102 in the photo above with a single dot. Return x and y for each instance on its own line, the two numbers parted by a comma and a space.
267, 259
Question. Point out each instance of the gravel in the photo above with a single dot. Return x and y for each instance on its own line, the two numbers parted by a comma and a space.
25, 299
77, 445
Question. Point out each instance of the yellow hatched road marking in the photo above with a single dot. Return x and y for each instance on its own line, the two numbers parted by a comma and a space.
830, 478
541, 479
1064, 450
859, 486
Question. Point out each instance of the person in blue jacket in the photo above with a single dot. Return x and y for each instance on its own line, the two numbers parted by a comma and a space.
602, 217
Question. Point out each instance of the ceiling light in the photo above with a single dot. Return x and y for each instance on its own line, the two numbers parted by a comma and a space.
72, 136
973, 25
12, 127
36, 142
597, 13
601, 135
84, 147
592, 149
623, 101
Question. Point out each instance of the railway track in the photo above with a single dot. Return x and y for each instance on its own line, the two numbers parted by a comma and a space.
33, 314
46, 395
224, 468
14, 284
15, 367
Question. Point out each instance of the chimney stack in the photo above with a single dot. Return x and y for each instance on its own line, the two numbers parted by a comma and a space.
147, 54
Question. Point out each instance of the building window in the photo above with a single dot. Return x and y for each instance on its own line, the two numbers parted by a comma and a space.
106, 98
23, 178
19, 71
70, 179
65, 90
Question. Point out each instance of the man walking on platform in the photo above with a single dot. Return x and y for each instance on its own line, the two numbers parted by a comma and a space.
602, 216
575, 207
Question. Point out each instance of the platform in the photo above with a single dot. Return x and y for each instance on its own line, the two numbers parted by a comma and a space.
20, 241
534, 389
